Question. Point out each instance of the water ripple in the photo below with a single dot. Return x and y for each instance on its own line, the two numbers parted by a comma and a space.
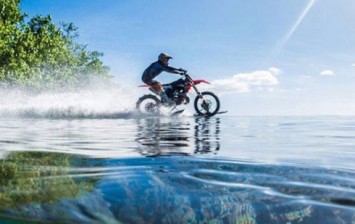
177, 170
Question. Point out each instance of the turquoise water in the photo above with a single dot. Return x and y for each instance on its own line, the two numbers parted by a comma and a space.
128, 169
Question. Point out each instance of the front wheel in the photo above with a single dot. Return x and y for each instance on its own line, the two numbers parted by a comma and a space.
148, 104
207, 105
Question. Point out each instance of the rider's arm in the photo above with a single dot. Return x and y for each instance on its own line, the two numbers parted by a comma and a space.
174, 70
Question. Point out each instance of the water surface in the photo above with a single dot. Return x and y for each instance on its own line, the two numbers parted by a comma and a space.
129, 169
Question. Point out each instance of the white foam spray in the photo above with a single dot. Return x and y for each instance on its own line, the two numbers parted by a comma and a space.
88, 102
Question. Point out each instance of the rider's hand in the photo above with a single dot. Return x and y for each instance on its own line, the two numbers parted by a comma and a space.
182, 70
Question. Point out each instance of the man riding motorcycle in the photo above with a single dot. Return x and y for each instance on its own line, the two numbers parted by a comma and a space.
162, 65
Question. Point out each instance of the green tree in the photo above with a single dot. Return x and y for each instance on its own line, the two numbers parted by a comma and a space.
9, 12
36, 53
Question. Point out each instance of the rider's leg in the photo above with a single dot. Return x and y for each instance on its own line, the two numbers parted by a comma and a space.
160, 90
157, 86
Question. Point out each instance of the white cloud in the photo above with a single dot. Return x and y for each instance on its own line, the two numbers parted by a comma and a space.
353, 64
327, 73
244, 82
275, 71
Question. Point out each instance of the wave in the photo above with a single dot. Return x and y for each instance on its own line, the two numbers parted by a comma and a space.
108, 102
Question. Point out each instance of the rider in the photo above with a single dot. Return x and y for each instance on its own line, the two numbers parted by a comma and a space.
154, 70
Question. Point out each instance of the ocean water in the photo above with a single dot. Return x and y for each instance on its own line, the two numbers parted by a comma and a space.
124, 168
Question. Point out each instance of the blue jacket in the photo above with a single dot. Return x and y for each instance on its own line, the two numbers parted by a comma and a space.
154, 70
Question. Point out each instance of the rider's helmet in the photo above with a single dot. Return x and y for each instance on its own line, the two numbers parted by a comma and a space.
164, 57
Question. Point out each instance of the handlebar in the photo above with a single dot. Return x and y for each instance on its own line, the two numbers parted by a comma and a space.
181, 71
184, 73
186, 76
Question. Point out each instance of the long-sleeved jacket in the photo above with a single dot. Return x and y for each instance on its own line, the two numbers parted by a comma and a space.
154, 70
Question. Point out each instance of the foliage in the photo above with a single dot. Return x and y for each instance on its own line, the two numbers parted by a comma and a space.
38, 177
38, 54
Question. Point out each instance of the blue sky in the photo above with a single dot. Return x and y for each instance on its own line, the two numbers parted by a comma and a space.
274, 57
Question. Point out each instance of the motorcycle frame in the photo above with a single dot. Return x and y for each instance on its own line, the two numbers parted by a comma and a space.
191, 84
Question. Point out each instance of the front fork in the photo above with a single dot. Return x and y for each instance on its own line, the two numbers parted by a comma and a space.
204, 104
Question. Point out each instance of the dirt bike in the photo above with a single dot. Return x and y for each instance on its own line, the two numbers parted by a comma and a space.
206, 103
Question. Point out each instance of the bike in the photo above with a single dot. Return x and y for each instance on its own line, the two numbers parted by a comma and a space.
205, 104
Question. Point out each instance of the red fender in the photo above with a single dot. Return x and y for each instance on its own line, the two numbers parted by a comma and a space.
144, 86
198, 81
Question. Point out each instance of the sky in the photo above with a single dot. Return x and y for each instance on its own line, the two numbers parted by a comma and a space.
275, 57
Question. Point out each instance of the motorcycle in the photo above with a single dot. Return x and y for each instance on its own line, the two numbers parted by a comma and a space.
205, 104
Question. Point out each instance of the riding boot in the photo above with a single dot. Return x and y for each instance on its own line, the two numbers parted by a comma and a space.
165, 99
153, 90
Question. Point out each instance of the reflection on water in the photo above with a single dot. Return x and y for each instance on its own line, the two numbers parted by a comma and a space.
170, 170
39, 178
206, 135
178, 136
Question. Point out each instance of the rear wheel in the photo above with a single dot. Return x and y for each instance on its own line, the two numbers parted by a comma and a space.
207, 105
148, 104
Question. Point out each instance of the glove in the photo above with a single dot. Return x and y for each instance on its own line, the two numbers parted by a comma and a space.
182, 70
